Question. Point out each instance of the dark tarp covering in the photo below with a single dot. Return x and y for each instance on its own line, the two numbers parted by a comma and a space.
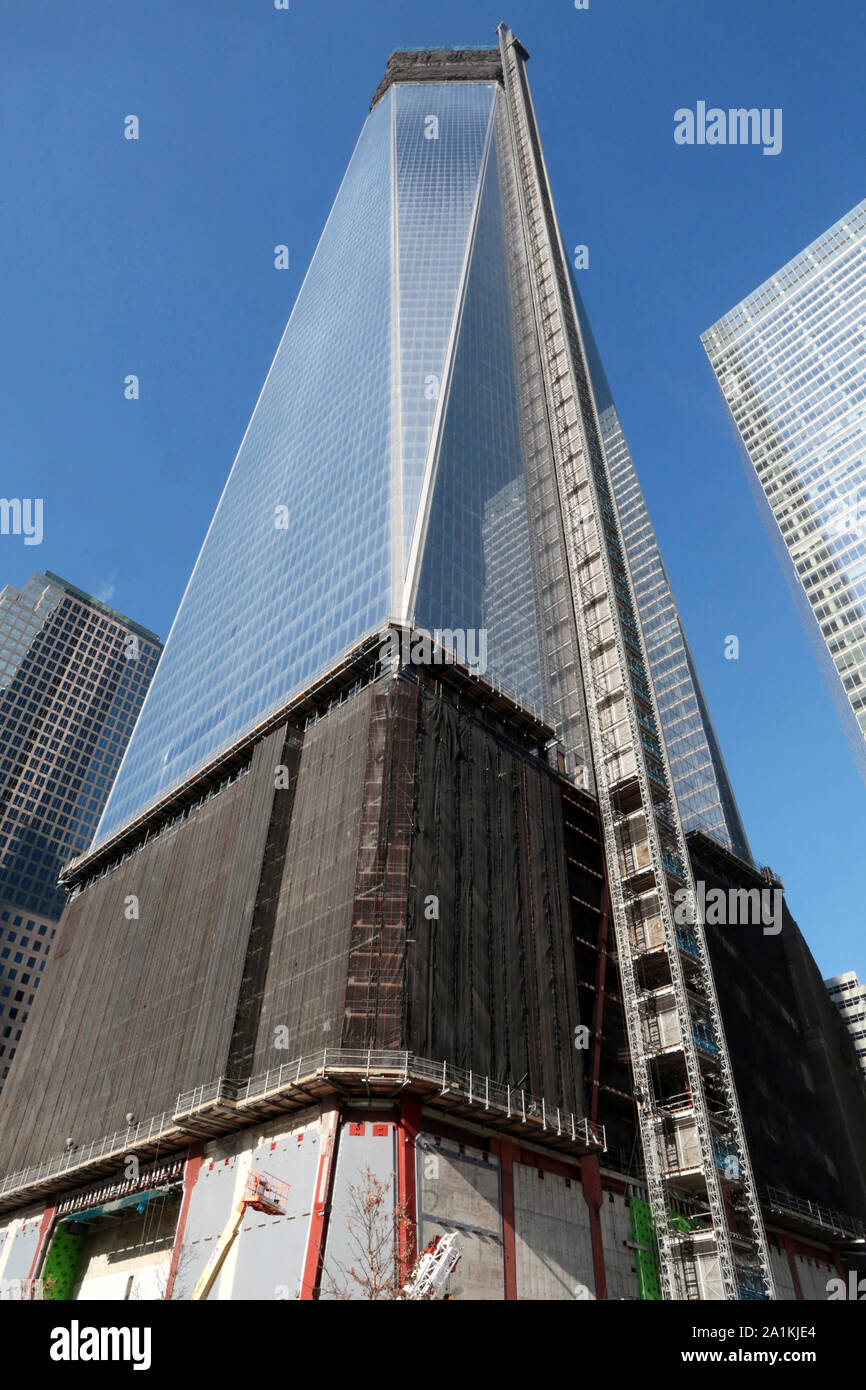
424, 898
489, 976
134, 1009
406, 888
801, 1091
301, 1009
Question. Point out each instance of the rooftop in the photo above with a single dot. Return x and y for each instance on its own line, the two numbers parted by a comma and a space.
103, 607
439, 65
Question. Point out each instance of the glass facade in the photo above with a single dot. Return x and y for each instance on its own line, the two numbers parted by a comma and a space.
365, 486
441, 134
791, 363
476, 573
296, 565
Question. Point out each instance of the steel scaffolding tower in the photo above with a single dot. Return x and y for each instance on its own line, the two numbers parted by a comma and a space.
708, 1224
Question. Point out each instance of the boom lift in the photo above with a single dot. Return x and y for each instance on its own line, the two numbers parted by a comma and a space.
262, 1193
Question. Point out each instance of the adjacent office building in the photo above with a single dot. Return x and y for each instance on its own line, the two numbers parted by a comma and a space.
359, 904
849, 996
73, 676
791, 362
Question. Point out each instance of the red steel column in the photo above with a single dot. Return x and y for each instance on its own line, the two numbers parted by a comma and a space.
505, 1149
843, 1273
45, 1228
788, 1247
321, 1203
590, 1173
408, 1129
190, 1174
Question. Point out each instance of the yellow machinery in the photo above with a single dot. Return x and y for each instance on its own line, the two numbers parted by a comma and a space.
262, 1193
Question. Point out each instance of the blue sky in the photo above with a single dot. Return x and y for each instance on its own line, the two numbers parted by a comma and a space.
156, 258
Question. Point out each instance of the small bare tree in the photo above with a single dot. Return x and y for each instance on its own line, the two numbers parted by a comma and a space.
382, 1243
162, 1279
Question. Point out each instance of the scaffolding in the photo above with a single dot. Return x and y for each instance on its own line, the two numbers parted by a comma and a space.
674, 1027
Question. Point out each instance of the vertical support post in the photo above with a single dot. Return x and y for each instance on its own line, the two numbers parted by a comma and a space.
505, 1149
790, 1251
842, 1272
408, 1129
190, 1175
315, 1252
46, 1230
593, 1195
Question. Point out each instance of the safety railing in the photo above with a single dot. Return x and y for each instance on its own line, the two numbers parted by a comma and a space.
813, 1211
121, 1141
479, 1091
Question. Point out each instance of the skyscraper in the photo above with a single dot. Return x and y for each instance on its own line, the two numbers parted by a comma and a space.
351, 905
73, 675
357, 497
791, 363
